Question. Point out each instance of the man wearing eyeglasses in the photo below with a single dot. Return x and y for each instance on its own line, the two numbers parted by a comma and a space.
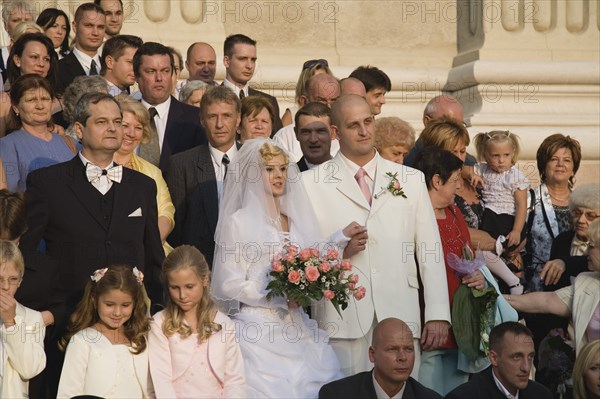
240, 61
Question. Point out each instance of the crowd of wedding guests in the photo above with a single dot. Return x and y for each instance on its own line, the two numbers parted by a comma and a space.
140, 214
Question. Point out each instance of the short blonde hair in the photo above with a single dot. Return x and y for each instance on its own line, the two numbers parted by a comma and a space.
136, 108
392, 131
496, 136
9, 252
269, 151
445, 134
26, 27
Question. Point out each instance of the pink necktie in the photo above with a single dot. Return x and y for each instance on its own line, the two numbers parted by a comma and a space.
361, 178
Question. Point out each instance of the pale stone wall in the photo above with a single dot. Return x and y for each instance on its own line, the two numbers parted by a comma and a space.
531, 66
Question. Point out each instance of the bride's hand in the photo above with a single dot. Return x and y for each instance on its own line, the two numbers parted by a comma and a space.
353, 229
358, 239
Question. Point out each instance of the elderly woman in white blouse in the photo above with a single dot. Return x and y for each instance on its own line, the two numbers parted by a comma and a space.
580, 301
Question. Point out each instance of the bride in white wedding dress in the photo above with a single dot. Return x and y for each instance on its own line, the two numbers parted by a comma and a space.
285, 354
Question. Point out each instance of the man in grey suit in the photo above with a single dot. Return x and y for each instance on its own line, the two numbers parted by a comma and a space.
195, 177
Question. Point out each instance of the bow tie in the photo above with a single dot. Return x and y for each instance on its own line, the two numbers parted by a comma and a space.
578, 247
94, 172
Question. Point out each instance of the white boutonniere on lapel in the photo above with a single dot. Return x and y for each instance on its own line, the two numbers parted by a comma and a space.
393, 186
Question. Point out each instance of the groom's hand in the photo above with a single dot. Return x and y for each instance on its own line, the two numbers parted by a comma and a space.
358, 239
435, 334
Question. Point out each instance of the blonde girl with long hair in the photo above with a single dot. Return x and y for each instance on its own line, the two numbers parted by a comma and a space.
193, 348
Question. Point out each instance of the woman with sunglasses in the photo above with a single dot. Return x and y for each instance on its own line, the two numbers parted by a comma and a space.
309, 69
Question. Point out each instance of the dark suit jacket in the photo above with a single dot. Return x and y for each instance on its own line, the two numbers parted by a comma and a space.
302, 165
183, 131
59, 210
68, 69
277, 122
193, 187
561, 249
483, 386
360, 386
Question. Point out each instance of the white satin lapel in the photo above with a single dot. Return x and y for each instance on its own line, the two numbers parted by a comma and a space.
380, 192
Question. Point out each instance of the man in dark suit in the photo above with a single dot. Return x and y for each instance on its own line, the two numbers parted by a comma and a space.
392, 353
240, 60
313, 132
511, 355
195, 177
88, 26
92, 214
177, 125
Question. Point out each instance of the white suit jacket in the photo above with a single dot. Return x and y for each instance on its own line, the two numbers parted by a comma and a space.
582, 299
398, 228
90, 364
224, 357
23, 354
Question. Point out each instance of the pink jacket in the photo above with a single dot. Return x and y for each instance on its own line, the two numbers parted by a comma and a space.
224, 356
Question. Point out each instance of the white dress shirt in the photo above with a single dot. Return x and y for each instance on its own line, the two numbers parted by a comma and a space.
86, 61
103, 184
370, 167
217, 160
236, 89
504, 390
160, 120
380, 393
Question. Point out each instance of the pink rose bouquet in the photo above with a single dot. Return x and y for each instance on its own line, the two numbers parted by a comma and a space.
307, 275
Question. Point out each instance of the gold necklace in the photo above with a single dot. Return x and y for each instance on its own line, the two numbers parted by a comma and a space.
556, 198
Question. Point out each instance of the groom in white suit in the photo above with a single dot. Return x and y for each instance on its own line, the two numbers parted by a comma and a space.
393, 233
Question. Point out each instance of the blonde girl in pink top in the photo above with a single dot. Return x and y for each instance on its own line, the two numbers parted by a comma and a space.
192, 346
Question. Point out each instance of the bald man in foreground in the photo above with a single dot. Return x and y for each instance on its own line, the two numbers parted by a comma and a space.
392, 353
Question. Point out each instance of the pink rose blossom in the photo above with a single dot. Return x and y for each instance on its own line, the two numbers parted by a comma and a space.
289, 257
397, 185
346, 265
314, 252
325, 266
353, 278
329, 295
277, 266
294, 276
292, 250
305, 255
360, 293
351, 285
312, 273
332, 254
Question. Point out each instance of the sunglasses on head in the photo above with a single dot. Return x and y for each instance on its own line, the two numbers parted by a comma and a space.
311, 63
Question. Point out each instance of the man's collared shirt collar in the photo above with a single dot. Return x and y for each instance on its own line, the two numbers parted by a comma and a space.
236, 89
504, 391
162, 109
113, 89
380, 393
86, 61
370, 167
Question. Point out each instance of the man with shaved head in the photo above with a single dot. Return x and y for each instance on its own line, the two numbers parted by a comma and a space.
392, 227
392, 353
321, 88
438, 107
353, 86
